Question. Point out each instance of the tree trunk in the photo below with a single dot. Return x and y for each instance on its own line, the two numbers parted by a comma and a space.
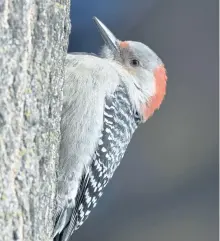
33, 45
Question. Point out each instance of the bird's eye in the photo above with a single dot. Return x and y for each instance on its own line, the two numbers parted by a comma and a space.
135, 62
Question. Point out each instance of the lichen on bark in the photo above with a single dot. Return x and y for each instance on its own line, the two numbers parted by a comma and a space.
33, 45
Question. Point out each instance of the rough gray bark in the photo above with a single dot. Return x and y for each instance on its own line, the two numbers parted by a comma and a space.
33, 45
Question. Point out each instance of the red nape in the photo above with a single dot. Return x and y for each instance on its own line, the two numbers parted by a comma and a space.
156, 100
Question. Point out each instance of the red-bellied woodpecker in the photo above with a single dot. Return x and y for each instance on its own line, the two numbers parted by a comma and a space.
105, 99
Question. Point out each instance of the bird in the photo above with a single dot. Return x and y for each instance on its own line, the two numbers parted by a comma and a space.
105, 98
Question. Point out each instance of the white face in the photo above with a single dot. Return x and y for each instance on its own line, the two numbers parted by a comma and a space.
141, 62
137, 55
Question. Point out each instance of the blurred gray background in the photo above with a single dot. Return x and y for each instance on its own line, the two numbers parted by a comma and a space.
166, 188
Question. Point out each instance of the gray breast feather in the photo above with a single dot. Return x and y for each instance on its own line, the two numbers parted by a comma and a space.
119, 124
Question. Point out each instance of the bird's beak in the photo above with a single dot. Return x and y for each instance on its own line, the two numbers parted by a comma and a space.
110, 40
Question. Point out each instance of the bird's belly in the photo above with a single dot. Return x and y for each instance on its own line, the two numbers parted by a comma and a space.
119, 126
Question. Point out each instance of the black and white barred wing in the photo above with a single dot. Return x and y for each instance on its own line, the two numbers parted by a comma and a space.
119, 124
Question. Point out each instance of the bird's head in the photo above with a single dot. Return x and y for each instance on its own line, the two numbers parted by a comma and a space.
142, 63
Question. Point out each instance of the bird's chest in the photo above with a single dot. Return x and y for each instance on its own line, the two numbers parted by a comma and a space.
120, 122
